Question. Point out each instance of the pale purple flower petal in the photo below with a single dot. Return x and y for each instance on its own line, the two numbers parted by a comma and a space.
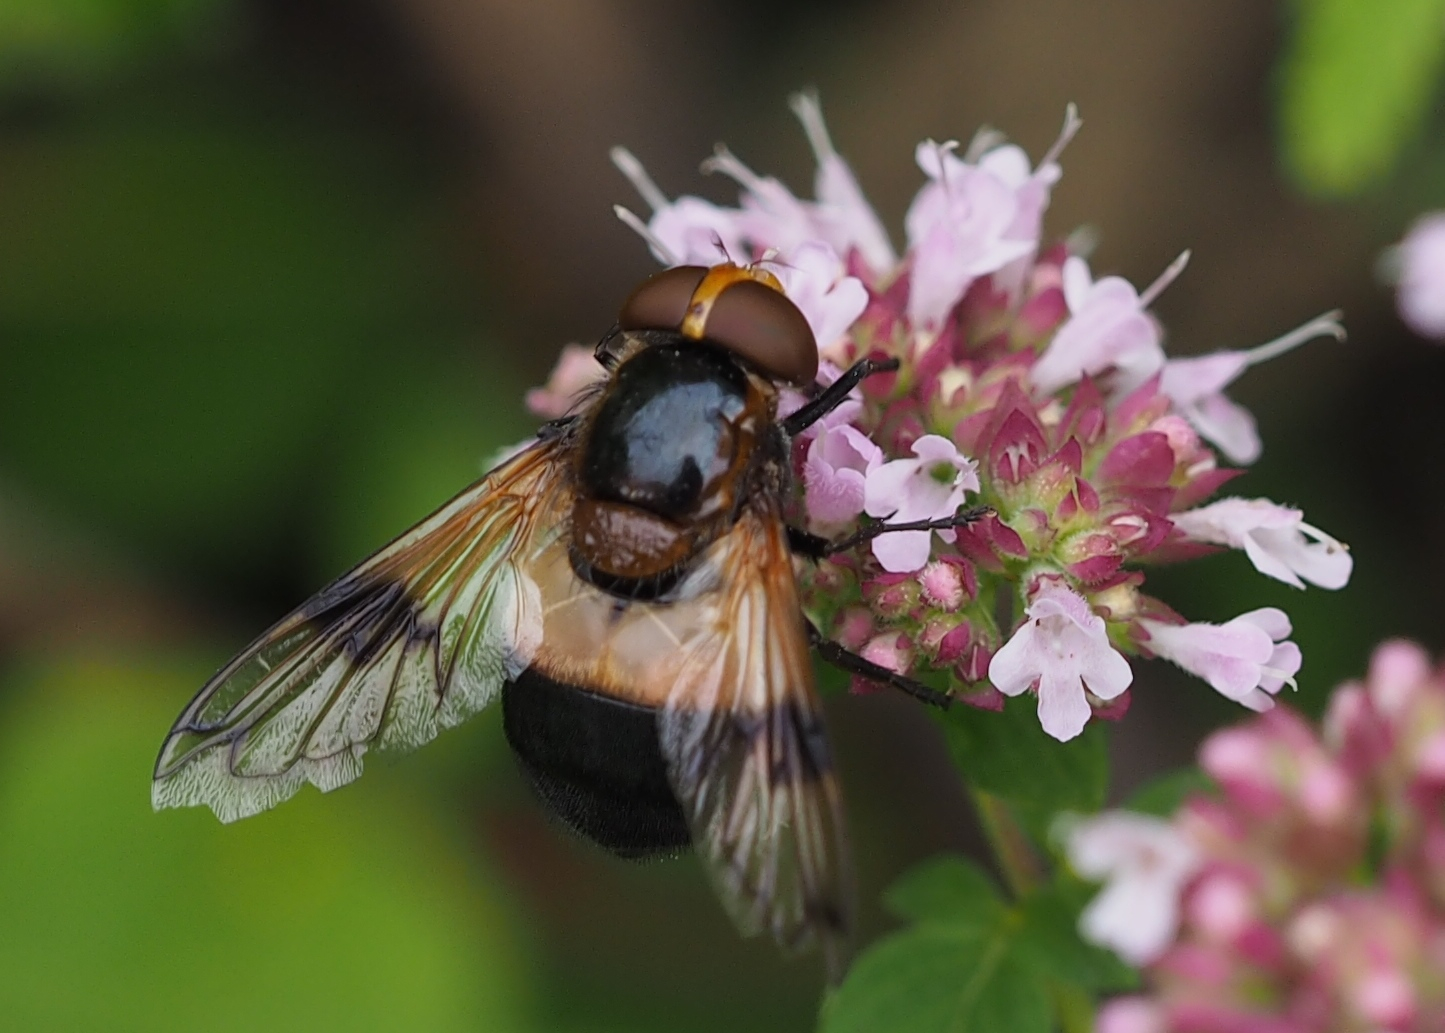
815, 279
1228, 425
1421, 260
843, 216
1275, 538
575, 371
1240, 659
697, 232
1196, 387
833, 474
771, 216
1131, 1015
958, 229
688, 231
1062, 647
1107, 329
902, 552
1146, 862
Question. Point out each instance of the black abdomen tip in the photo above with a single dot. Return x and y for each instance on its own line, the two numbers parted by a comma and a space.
594, 761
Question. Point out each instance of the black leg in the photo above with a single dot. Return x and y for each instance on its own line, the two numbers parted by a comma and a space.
603, 353
817, 548
851, 662
835, 394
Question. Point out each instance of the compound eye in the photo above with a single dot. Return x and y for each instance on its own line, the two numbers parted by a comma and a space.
760, 324
661, 302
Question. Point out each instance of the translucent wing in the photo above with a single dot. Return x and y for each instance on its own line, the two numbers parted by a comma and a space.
743, 736
416, 639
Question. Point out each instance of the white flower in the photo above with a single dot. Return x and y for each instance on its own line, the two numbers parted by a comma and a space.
1107, 329
1420, 258
1062, 647
1196, 387
928, 487
1246, 660
1146, 862
1275, 538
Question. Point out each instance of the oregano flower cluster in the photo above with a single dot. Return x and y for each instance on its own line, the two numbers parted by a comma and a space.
1027, 384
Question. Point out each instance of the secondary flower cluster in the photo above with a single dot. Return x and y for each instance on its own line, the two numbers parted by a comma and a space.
1308, 895
1027, 385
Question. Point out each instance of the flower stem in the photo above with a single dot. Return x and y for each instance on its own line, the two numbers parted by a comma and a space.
1024, 872
1010, 844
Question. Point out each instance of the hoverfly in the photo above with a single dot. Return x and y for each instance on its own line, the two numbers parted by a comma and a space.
625, 584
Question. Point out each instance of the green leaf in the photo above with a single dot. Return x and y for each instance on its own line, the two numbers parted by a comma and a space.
1010, 755
1163, 795
951, 889
1359, 77
1049, 940
940, 979
360, 911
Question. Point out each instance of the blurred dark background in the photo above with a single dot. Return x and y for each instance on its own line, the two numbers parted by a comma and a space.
273, 277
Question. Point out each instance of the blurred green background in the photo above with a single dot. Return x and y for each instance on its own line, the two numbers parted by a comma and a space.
273, 276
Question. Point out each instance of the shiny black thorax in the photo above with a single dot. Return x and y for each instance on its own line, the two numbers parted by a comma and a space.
662, 437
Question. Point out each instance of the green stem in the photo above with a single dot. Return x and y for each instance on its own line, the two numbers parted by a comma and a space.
1010, 844
1024, 872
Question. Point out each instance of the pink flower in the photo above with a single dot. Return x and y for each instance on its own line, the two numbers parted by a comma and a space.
1062, 648
838, 460
1107, 329
943, 585
960, 227
928, 487
842, 215
771, 216
1146, 862
889, 650
688, 231
575, 371
1275, 538
1196, 387
1130, 1015
1246, 659
814, 278
1421, 267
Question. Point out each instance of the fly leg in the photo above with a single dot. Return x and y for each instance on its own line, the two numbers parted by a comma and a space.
835, 394
847, 660
818, 548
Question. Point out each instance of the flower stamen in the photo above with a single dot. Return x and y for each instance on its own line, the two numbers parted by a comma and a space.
632, 221
1164, 279
1324, 325
626, 163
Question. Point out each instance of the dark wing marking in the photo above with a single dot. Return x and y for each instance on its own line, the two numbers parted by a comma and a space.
416, 639
742, 733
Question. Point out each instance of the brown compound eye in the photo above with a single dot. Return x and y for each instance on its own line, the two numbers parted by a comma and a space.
740, 308
661, 302
760, 324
